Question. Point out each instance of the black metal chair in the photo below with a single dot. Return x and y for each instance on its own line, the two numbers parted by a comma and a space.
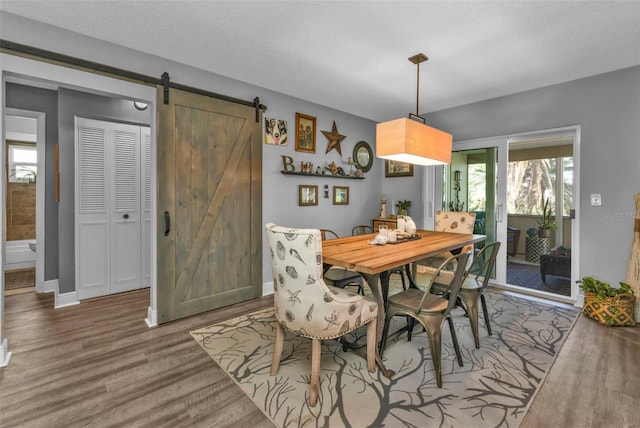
430, 310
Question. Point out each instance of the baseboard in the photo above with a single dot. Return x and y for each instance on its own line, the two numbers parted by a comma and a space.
65, 299
5, 355
267, 288
152, 317
49, 286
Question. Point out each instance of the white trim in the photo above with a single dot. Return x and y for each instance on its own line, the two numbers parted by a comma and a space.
49, 286
152, 317
267, 288
65, 299
41, 135
5, 355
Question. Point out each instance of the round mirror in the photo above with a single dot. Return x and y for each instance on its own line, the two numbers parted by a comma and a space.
363, 156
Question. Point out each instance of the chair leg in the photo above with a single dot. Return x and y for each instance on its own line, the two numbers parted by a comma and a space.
455, 340
316, 356
435, 343
486, 313
385, 332
470, 300
371, 345
411, 322
277, 350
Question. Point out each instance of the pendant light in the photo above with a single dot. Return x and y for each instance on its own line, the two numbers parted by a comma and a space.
410, 139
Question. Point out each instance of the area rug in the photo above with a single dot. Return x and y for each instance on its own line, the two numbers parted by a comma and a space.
493, 389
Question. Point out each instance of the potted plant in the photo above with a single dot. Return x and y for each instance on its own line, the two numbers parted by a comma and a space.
403, 207
545, 225
606, 304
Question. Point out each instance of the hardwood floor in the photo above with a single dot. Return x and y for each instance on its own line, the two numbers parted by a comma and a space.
97, 364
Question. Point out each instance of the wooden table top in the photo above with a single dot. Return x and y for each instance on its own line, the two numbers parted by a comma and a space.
355, 252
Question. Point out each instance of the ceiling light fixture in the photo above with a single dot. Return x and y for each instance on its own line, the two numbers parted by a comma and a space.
410, 139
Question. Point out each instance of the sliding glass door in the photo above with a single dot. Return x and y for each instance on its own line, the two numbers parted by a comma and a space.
474, 182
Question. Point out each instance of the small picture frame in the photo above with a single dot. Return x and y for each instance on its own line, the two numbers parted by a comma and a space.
340, 195
307, 195
305, 133
275, 132
397, 169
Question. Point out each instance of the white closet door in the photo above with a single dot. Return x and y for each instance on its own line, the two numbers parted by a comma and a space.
147, 190
108, 206
92, 233
125, 208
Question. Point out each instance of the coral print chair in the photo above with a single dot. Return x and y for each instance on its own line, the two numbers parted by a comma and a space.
306, 306
454, 222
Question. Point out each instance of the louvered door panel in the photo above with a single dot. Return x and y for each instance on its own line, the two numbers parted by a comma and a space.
108, 202
125, 215
92, 239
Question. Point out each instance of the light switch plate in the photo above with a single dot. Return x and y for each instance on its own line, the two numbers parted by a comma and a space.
596, 200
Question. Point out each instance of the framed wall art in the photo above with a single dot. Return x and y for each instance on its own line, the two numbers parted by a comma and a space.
275, 132
340, 195
305, 133
307, 195
397, 169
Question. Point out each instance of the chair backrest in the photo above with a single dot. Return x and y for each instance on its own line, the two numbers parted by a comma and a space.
362, 229
455, 221
328, 234
456, 282
484, 262
303, 302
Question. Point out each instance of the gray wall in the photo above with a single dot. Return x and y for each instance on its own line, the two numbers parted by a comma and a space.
43, 100
607, 107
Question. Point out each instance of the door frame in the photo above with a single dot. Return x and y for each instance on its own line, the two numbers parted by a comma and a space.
40, 118
502, 142
16, 68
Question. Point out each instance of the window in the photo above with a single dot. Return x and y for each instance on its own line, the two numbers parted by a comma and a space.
23, 163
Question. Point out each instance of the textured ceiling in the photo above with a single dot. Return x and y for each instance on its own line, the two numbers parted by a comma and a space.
352, 55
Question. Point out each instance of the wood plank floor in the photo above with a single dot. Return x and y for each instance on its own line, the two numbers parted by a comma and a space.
97, 364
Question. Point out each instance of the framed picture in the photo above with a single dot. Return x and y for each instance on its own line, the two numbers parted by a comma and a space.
340, 195
307, 195
275, 132
397, 169
305, 133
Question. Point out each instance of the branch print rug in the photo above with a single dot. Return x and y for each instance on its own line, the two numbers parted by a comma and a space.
493, 389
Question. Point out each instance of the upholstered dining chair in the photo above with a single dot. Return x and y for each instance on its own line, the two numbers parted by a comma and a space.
338, 276
474, 283
306, 306
363, 230
430, 310
455, 222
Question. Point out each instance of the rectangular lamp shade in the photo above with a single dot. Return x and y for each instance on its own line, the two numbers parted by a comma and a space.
406, 140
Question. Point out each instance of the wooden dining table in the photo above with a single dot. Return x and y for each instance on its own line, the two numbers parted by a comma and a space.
374, 262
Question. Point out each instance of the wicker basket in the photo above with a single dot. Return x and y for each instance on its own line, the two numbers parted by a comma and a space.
610, 311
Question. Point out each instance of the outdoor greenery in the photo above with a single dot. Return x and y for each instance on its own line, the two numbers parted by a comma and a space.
544, 222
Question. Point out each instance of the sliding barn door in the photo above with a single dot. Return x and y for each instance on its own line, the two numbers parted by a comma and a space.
209, 205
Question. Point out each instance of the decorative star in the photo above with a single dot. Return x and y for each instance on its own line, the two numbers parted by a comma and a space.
334, 138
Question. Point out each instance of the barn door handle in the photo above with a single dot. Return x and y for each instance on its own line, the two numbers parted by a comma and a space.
126, 216
167, 223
